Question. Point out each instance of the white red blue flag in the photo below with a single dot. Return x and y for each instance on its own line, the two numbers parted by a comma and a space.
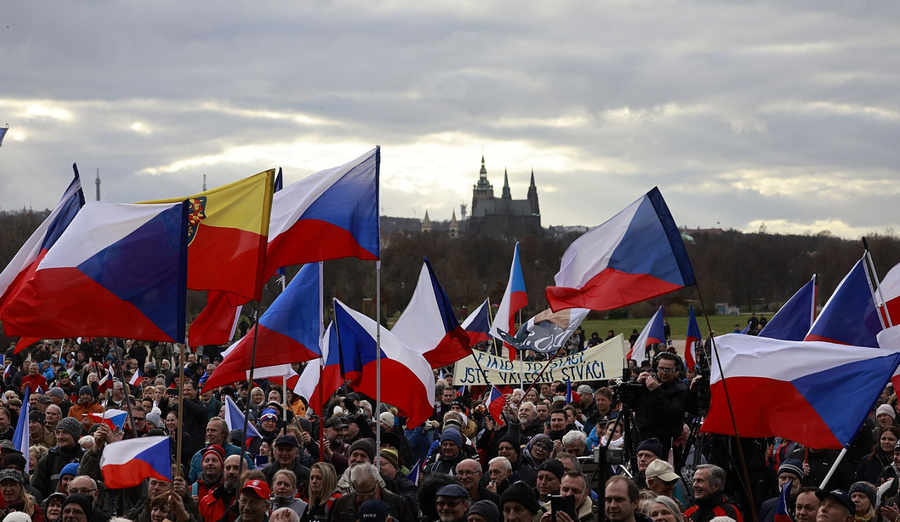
288, 332
22, 435
514, 299
112, 417
322, 377
781, 510
814, 393
850, 315
118, 270
478, 324
127, 463
408, 382
636, 255
136, 378
428, 324
692, 341
234, 418
106, 382
654, 332
796, 317
495, 404
890, 294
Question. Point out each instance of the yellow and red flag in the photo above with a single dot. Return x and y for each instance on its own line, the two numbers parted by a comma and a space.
229, 227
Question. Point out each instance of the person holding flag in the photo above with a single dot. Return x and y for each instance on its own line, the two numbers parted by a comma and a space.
790, 479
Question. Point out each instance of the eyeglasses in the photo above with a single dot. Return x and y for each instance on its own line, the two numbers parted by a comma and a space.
665, 370
141, 419
81, 491
448, 503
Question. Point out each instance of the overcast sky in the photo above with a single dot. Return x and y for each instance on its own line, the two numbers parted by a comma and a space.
743, 113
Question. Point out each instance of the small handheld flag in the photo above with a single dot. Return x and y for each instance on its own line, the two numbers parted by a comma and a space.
235, 419
127, 463
414, 474
496, 403
781, 511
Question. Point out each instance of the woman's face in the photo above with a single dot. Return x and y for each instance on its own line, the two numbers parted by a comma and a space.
539, 452
171, 422
11, 490
264, 449
315, 480
257, 398
862, 502
660, 513
532, 395
888, 441
64, 483
159, 513
282, 486
54, 509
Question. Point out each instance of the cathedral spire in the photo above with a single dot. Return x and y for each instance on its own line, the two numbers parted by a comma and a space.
532, 178
506, 193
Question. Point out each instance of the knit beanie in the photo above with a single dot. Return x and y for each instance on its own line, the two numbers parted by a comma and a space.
453, 436
84, 501
792, 466
521, 493
652, 444
487, 509
866, 489
513, 441
71, 425
887, 410
69, 469
553, 466
391, 456
366, 445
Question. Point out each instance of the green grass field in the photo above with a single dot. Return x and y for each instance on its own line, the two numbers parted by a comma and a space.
721, 324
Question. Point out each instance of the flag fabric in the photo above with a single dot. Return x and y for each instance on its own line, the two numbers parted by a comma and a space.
790, 389
692, 341
21, 269
235, 419
22, 435
495, 404
796, 317
331, 214
890, 294
414, 473
288, 332
636, 255
3, 135
461, 391
548, 331
106, 382
889, 339
568, 392
127, 463
112, 417
117, 271
850, 315
407, 379
478, 325
781, 510
514, 299
428, 324
227, 232
217, 322
322, 377
654, 332
136, 378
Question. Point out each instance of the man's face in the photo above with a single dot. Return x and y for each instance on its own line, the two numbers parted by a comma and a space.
351, 431
516, 512
365, 488
33, 369
83, 486
65, 439
575, 448
212, 468
358, 456
618, 506
574, 486
140, 419
884, 420
831, 510
385, 467
602, 402
468, 473
4, 421
542, 411
545, 389
505, 449
215, 432
783, 479
285, 454
450, 509
34, 427
701, 485
52, 414
527, 414
73, 512
231, 471
547, 483
156, 488
644, 459
118, 391
449, 450
558, 421
665, 368
253, 508
498, 472
806, 507
189, 391
334, 435
448, 396
32, 401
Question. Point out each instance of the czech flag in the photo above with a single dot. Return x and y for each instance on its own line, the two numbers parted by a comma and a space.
127, 463
478, 325
228, 226
781, 510
796, 317
136, 378
654, 332
890, 292
429, 326
495, 404
319, 380
234, 418
637, 255
814, 393
22, 267
112, 417
693, 339
850, 315
407, 379
514, 299
414, 473
106, 382
22, 435
568, 392
287, 332
117, 271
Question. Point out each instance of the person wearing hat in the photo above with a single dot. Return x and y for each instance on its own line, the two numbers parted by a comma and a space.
37, 433
216, 433
66, 451
518, 503
85, 407
885, 416
452, 503
357, 428
12, 486
647, 451
709, 501
335, 449
394, 479
373, 510
253, 500
53, 506
361, 452
662, 480
549, 475
836, 506
365, 486
42, 402
789, 470
509, 447
287, 456
863, 496
484, 511
213, 465
450, 453
267, 425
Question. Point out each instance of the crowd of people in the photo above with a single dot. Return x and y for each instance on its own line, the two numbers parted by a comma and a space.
555, 452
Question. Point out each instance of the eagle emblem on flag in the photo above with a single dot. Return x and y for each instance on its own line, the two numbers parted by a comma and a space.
196, 214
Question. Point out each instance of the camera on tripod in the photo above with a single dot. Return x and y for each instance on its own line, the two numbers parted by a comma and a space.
626, 389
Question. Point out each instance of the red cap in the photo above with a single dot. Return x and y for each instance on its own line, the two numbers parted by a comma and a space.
259, 487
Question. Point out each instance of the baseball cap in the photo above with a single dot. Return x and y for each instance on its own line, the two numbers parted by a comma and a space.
258, 487
334, 422
662, 470
373, 510
287, 439
842, 496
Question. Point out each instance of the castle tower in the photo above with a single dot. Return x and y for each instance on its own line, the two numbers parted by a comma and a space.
483, 189
426, 223
533, 197
97, 181
506, 193
454, 226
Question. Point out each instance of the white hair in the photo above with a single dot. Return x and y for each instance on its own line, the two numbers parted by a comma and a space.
362, 471
574, 436
502, 460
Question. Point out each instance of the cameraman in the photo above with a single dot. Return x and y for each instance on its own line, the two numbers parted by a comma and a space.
659, 404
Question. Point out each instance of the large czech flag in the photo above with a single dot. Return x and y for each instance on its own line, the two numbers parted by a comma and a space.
850, 315
815, 393
796, 317
127, 463
890, 294
514, 299
407, 381
118, 270
429, 326
637, 255
288, 332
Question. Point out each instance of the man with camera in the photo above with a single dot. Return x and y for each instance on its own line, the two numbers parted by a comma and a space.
659, 404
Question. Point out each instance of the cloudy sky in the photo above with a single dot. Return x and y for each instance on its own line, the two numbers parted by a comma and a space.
743, 113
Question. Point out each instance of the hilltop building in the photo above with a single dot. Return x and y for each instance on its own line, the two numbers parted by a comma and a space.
503, 217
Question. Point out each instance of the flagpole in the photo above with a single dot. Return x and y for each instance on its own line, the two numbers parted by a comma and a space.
250, 382
871, 263
127, 386
180, 431
712, 342
377, 359
321, 404
519, 355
